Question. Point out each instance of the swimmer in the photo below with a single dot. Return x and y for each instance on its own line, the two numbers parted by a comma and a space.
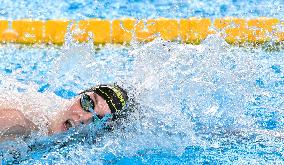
96, 105
102, 103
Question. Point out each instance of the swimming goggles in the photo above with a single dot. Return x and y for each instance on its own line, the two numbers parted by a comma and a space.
88, 105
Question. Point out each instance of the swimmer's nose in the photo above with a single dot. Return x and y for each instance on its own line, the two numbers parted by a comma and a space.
85, 118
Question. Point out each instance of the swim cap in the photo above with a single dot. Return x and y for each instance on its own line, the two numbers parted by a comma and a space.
114, 95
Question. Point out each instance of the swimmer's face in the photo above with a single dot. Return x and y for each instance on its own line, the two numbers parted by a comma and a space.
75, 115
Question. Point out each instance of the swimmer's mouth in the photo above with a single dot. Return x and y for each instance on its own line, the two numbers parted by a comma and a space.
69, 124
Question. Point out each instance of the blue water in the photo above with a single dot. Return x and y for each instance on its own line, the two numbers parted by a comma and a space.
195, 104
110, 9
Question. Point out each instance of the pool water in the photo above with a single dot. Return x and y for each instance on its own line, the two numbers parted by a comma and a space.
195, 104
110, 9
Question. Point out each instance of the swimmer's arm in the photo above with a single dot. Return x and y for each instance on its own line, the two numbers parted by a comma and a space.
275, 134
243, 132
13, 124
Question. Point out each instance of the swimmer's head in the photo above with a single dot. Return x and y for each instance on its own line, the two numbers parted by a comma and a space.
115, 96
97, 104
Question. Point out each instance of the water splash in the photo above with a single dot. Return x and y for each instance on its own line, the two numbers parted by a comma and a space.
188, 99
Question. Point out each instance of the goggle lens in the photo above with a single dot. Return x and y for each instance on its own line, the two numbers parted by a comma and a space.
88, 105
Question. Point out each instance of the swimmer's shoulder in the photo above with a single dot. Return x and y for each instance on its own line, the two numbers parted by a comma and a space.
14, 124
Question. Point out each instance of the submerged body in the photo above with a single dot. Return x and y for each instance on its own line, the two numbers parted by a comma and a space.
22, 114
21, 119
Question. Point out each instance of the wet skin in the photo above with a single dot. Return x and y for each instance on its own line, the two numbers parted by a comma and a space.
74, 115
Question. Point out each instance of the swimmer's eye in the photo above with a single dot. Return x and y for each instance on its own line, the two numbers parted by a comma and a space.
88, 105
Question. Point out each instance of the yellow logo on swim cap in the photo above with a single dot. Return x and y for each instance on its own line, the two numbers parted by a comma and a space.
119, 95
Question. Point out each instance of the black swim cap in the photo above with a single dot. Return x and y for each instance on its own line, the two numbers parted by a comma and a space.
115, 96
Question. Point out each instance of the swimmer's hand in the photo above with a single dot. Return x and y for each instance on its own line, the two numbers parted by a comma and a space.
13, 124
